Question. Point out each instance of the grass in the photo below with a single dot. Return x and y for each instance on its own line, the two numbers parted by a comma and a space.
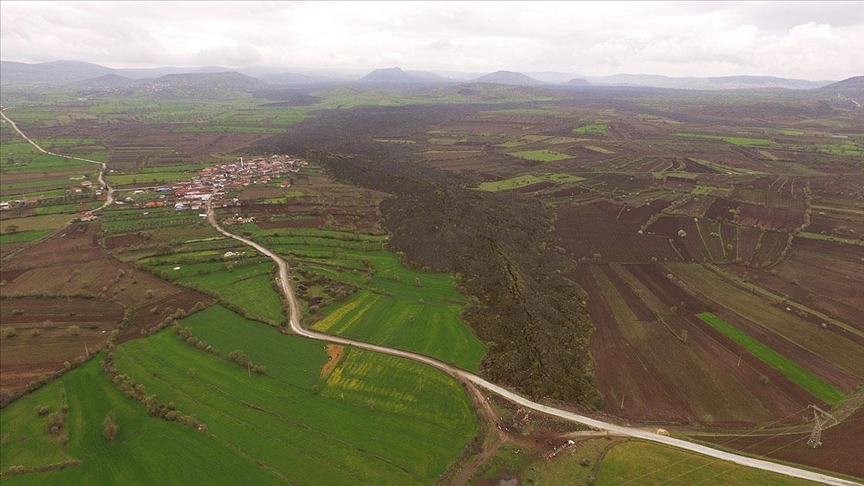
527, 180
541, 155
637, 462
431, 328
836, 239
246, 284
147, 450
395, 306
843, 353
360, 426
23, 236
38, 223
567, 468
846, 149
147, 178
804, 378
744, 141
598, 128
508, 459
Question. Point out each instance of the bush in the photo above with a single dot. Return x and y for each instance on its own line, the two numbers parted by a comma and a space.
55, 423
42, 410
111, 427
10, 332
238, 356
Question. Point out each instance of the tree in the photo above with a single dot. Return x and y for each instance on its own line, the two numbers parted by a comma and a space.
239, 357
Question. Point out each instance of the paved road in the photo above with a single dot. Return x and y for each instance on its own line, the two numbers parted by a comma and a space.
294, 320
102, 165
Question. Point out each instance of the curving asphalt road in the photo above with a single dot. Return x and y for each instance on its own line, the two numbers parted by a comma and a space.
294, 321
102, 165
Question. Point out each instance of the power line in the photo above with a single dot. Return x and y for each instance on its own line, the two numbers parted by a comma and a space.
721, 444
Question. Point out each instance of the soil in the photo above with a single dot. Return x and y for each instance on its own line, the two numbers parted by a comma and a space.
334, 355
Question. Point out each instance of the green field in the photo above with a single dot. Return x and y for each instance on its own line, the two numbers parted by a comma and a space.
148, 178
22, 236
846, 149
733, 140
246, 284
643, 463
394, 305
527, 180
541, 155
37, 223
804, 378
360, 425
596, 128
147, 450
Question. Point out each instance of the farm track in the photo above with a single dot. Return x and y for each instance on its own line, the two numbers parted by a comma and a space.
103, 166
102, 182
464, 376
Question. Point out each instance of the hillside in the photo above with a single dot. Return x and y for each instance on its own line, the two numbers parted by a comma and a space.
706, 83
108, 81
49, 73
853, 86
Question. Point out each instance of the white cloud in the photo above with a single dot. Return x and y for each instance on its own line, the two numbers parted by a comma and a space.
811, 40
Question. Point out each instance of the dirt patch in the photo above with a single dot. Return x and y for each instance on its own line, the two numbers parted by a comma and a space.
334, 356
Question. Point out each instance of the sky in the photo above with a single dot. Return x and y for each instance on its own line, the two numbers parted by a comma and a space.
804, 40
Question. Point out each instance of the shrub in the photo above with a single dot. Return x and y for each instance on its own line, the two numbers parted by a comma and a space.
55, 423
111, 427
239, 357
9, 332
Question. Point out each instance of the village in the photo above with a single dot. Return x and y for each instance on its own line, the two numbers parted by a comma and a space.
212, 184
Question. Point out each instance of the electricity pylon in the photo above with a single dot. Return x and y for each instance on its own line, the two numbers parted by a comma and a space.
819, 422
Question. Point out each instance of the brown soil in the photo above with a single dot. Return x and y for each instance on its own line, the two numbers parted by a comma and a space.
586, 231
334, 355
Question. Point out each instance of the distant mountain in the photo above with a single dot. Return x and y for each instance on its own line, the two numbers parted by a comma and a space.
49, 73
388, 75
203, 85
429, 77
108, 81
578, 82
507, 77
396, 75
553, 77
293, 78
709, 83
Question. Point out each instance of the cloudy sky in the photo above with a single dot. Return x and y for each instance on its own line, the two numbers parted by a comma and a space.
807, 40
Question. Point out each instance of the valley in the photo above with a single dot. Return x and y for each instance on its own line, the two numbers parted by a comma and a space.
617, 256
